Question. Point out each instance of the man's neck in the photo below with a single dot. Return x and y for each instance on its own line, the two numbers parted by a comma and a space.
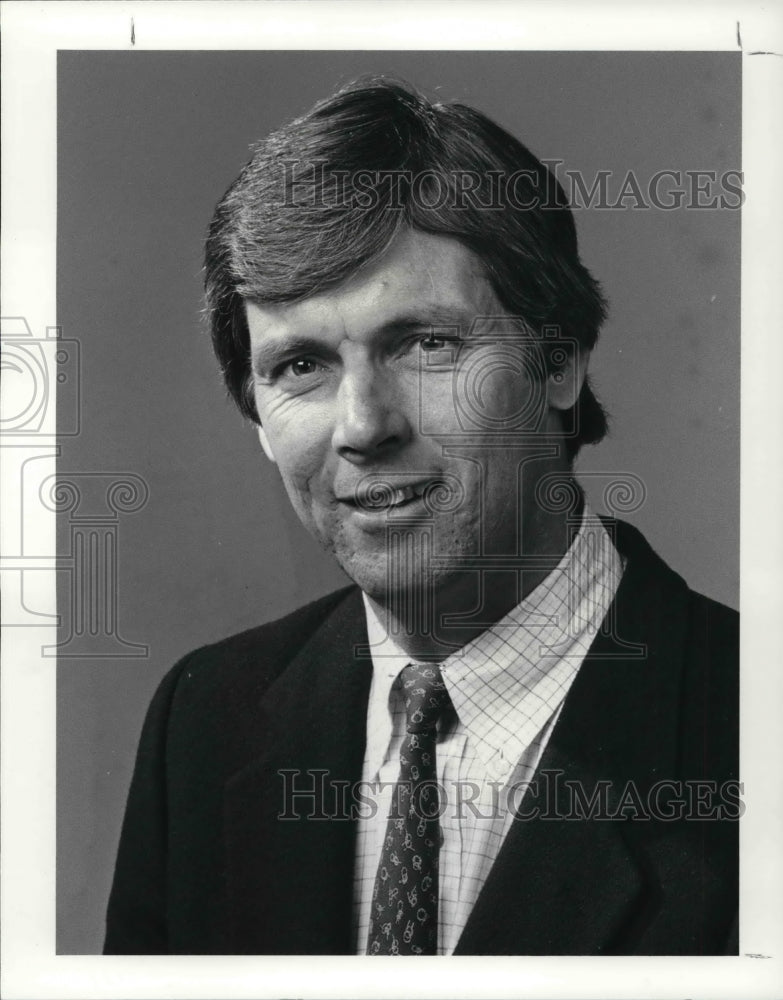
435, 620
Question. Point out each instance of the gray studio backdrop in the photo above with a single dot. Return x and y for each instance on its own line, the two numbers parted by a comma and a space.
148, 141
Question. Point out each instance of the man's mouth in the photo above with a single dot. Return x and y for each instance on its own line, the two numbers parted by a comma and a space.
382, 496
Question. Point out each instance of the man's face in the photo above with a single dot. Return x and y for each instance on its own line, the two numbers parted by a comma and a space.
399, 449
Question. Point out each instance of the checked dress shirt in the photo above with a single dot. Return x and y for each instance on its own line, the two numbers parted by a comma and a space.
507, 688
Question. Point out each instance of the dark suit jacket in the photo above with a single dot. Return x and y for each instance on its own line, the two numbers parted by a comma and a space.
206, 866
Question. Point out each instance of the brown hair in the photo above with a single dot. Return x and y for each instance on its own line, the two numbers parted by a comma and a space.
327, 193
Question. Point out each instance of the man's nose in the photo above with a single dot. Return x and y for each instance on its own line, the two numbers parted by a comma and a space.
370, 420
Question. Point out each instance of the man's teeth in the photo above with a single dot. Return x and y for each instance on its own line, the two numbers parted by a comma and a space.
390, 498
383, 496
403, 495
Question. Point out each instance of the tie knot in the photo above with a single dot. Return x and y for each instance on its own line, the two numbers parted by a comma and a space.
425, 695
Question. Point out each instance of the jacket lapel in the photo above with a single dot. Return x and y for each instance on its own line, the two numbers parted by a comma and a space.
582, 886
579, 886
290, 844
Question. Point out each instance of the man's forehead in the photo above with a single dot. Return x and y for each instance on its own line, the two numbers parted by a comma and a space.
422, 279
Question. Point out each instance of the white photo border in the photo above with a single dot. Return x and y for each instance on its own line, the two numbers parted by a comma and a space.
32, 35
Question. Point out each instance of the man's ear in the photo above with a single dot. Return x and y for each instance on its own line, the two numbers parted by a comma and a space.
265, 444
564, 385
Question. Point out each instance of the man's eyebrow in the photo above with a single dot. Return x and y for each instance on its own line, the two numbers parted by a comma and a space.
423, 319
269, 353
266, 355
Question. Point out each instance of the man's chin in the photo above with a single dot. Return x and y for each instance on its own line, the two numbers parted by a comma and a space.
389, 567
392, 585
384, 587
383, 578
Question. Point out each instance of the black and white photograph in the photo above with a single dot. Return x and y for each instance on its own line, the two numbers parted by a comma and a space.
390, 469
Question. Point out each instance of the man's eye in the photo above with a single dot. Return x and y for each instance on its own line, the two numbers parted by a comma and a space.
433, 343
301, 366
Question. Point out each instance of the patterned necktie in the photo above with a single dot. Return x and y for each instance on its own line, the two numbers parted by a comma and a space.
404, 914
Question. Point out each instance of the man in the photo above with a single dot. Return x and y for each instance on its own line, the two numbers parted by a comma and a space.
517, 733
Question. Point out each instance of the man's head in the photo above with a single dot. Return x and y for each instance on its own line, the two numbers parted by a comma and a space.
396, 297
327, 193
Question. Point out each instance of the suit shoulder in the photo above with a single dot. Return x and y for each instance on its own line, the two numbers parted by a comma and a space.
255, 655
713, 637
711, 686
290, 630
709, 625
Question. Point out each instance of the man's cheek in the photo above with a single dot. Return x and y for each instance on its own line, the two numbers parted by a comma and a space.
494, 393
438, 407
296, 448
307, 491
